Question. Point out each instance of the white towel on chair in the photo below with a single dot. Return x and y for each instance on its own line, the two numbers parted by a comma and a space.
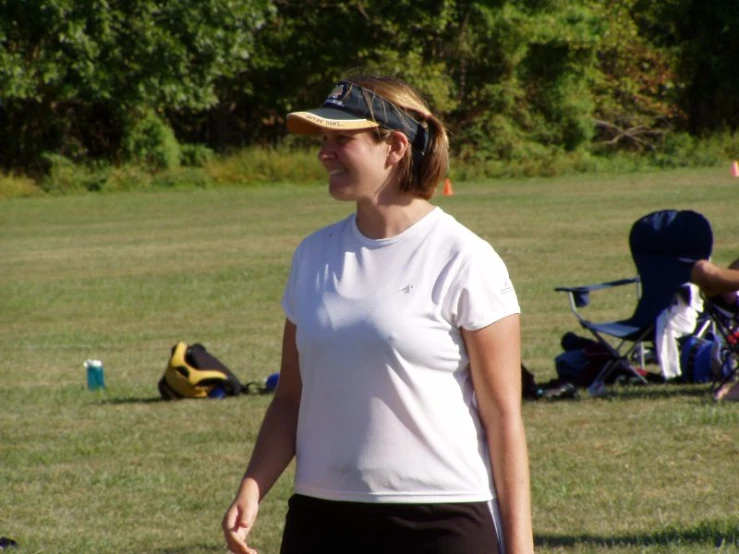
676, 321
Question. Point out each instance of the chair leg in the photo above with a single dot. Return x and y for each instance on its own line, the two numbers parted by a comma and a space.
728, 371
619, 360
613, 365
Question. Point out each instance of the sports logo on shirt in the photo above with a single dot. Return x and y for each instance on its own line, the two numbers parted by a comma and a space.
507, 287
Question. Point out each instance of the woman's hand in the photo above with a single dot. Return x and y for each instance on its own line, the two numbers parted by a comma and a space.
239, 519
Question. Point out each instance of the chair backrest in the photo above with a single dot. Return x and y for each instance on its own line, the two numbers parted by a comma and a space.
664, 246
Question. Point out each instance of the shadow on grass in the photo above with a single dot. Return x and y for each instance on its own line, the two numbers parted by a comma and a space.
193, 549
645, 392
703, 534
157, 399
151, 400
660, 391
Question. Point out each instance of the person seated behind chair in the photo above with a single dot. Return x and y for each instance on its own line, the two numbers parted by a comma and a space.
721, 287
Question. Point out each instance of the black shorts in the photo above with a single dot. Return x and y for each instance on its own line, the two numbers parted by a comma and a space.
314, 525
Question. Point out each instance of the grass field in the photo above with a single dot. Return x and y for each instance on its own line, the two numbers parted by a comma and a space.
122, 277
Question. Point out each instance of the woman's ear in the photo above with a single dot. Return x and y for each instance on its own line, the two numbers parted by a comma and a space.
399, 145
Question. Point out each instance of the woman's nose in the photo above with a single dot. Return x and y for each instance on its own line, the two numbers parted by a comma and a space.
325, 152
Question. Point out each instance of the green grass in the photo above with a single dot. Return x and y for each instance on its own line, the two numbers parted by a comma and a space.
122, 277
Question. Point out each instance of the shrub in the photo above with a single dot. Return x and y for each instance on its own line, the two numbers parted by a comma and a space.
267, 165
127, 177
62, 175
684, 150
150, 141
182, 178
17, 186
196, 155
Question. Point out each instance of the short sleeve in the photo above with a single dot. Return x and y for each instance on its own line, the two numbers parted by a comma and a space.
482, 292
289, 296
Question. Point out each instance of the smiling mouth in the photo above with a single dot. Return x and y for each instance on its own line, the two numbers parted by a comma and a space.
336, 172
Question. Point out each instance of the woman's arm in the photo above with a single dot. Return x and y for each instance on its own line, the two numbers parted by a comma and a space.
273, 451
495, 362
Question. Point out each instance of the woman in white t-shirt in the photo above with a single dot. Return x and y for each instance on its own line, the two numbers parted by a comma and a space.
399, 391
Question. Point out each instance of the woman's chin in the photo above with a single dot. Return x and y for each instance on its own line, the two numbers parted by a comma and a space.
340, 191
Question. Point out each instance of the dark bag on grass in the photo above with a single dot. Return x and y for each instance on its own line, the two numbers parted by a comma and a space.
580, 367
193, 372
582, 360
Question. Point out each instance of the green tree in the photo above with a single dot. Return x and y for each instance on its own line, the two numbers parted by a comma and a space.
306, 46
73, 73
523, 77
706, 35
636, 86
513, 79
510, 78
667, 66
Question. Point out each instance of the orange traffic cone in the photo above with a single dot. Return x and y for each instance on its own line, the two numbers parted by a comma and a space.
448, 188
735, 169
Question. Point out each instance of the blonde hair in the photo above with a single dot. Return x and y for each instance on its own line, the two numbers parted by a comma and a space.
419, 173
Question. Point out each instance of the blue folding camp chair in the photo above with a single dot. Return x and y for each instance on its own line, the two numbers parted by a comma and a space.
664, 246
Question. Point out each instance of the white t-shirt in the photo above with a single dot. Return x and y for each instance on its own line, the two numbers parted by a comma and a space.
387, 411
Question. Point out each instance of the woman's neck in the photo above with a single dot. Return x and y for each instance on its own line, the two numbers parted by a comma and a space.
381, 221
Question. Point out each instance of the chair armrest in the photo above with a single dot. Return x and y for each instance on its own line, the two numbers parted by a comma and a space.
580, 296
597, 286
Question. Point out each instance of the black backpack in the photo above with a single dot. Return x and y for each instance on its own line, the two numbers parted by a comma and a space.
193, 372
582, 361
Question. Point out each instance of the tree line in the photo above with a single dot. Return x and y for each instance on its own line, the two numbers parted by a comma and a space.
105, 79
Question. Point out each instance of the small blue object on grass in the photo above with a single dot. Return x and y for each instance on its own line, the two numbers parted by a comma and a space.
217, 392
270, 383
5, 542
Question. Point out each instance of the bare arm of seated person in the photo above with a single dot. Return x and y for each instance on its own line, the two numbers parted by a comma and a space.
713, 279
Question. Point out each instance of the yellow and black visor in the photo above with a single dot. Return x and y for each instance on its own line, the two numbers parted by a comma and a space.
351, 107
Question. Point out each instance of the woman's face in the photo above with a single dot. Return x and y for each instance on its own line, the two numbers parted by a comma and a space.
357, 164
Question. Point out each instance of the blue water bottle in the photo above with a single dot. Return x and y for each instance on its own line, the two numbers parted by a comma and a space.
95, 374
